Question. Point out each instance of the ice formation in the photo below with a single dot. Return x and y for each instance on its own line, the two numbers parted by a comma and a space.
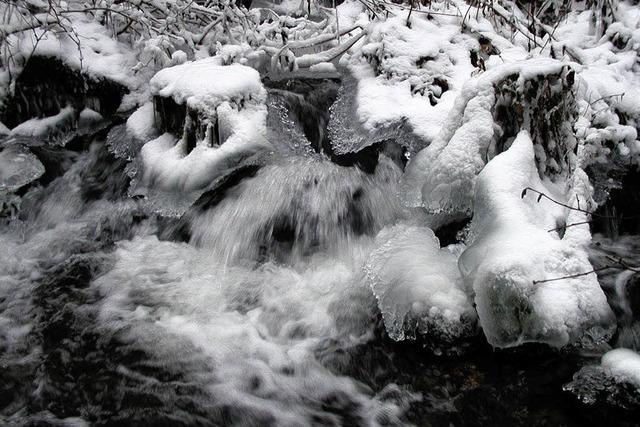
418, 286
18, 167
614, 382
520, 272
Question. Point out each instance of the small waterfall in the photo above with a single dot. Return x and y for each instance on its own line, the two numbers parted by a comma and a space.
293, 209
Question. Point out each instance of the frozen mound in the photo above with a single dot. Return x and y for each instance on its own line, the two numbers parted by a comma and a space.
531, 284
623, 364
418, 286
616, 381
213, 116
441, 177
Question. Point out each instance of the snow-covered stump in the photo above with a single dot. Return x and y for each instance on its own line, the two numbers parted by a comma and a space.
534, 95
530, 284
211, 118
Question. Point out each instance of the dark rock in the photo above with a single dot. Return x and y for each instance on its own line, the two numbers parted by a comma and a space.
451, 233
620, 214
308, 102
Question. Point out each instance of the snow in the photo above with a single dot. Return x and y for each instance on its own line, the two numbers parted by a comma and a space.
623, 364
204, 84
512, 253
608, 81
418, 285
43, 128
141, 123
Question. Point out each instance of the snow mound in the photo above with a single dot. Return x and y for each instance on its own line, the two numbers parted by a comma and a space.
141, 124
418, 286
520, 272
205, 84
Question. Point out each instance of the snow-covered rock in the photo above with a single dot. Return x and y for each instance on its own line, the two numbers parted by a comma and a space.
224, 123
406, 76
614, 382
45, 127
418, 286
529, 283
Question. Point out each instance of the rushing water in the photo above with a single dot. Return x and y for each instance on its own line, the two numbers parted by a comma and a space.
252, 309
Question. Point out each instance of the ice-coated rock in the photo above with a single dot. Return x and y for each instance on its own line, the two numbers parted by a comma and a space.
615, 381
18, 167
418, 286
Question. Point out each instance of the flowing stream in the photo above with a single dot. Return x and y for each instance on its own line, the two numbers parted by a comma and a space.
251, 309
